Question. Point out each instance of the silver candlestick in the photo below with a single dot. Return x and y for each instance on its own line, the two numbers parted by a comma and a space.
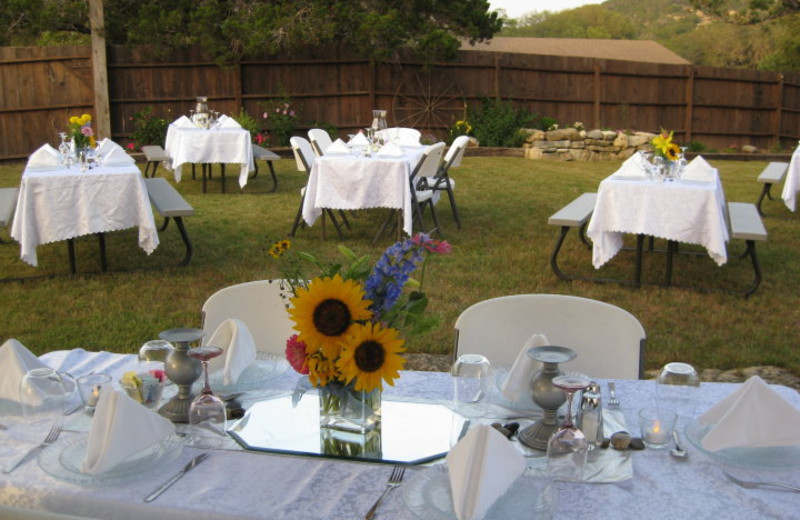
181, 370
547, 396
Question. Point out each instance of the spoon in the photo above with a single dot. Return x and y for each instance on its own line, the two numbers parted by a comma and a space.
678, 452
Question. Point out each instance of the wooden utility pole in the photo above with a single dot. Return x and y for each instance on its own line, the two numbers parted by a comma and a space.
102, 118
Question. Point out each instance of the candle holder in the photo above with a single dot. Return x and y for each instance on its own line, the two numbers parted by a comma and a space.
181, 370
545, 394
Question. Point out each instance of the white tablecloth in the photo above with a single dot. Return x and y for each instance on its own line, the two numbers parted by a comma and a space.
198, 145
685, 211
243, 485
792, 182
351, 182
61, 204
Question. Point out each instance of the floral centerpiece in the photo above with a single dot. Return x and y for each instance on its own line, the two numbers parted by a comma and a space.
668, 154
80, 130
350, 322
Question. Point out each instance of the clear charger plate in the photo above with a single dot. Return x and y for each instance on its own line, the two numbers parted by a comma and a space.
775, 457
63, 461
524, 404
266, 368
428, 496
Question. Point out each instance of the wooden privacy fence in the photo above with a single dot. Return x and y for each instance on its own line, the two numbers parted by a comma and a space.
41, 87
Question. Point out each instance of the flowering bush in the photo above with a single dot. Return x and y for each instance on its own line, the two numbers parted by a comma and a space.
349, 319
457, 129
280, 120
150, 129
80, 130
665, 147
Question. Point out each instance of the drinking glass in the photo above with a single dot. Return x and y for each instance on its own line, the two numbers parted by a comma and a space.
42, 395
153, 354
207, 412
89, 386
63, 148
471, 374
567, 448
677, 386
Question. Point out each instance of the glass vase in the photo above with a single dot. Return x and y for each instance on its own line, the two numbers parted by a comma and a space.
343, 408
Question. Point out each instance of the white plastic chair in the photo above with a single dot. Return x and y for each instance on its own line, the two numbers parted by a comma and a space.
421, 196
259, 305
609, 340
400, 135
320, 140
304, 157
443, 181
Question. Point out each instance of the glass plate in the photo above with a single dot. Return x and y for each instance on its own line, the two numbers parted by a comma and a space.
64, 460
428, 496
751, 458
523, 404
254, 377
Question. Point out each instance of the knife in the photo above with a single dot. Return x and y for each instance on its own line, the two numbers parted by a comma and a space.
166, 485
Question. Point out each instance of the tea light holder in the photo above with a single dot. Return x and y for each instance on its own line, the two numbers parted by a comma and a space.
89, 387
657, 425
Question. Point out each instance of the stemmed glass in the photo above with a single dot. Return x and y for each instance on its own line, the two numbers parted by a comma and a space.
568, 447
207, 412
63, 148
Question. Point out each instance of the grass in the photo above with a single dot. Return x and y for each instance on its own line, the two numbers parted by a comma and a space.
503, 249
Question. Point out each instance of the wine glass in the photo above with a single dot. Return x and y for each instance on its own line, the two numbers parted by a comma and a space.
63, 148
677, 386
42, 395
207, 412
567, 448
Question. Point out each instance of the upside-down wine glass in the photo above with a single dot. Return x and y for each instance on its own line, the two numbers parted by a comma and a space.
207, 412
568, 447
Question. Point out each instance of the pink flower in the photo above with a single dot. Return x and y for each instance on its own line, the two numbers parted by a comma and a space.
291, 113
159, 374
440, 246
259, 138
87, 131
296, 354
284, 112
277, 110
131, 146
265, 115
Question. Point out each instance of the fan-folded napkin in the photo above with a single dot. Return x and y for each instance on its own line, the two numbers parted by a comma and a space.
15, 361
338, 147
482, 466
238, 350
118, 157
106, 146
698, 170
228, 122
390, 150
183, 122
633, 168
121, 428
754, 416
45, 158
359, 139
516, 384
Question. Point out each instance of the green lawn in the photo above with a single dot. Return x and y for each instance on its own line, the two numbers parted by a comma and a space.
503, 249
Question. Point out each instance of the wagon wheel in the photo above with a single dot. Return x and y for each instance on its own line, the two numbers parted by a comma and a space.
430, 103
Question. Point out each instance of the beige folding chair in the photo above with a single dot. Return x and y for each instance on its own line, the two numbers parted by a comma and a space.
443, 181
400, 135
609, 340
320, 140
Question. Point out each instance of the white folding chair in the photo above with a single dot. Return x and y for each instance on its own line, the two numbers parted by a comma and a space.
320, 140
259, 305
443, 181
400, 135
421, 196
609, 341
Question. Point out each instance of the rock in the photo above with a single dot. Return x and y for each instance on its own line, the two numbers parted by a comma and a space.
637, 444
621, 440
564, 134
749, 149
594, 134
472, 143
534, 135
637, 140
621, 141
609, 135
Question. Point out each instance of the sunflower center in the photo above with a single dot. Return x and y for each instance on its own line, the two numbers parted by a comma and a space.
369, 356
332, 317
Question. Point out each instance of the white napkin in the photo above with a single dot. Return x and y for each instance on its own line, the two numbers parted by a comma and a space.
516, 384
238, 350
482, 466
121, 428
698, 170
118, 157
45, 158
337, 148
15, 361
390, 150
753, 416
183, 122
106, 146
228, 122
632, 169
359, 139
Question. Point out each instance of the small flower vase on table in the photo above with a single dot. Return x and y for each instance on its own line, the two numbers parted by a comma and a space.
341, 407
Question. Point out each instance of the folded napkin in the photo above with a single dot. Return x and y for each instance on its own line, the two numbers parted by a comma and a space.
117, 157
754, 416
516, 384
15, 361
482, 466
337, 148
698, 170
228, 122
633, 168
106, 146
359, 139
183, 122
390, 150
238, 350
45, 158
121, 428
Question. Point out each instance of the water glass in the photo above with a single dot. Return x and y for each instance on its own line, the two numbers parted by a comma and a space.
471, 376
42, 395
677, 386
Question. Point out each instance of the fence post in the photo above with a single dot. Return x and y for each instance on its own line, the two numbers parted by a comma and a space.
596, 107
778, 109
689, 113
99, 69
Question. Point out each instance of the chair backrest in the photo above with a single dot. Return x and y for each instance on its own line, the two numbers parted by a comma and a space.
609, 340
320, 140
259, 305
429, 161
455, 153
402, 135
303, 154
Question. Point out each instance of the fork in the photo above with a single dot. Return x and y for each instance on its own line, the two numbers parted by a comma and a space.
52, 435
748, 484
613, 402
394, 480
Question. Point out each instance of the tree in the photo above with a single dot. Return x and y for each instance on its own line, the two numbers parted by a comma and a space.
591, 21
756, 11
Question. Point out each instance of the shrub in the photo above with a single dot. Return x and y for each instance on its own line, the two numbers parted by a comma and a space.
458, 129
695, 146
279, 120
149, 128
497, 123
251, 124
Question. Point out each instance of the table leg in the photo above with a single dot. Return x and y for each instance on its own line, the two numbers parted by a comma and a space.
203, 167
274, 177
71, 252
101, 237
222, 172
637, 276
672, 246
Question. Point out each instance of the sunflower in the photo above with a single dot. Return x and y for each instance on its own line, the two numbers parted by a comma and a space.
325, 311
672, 152
371, 353
280, 247
321, 370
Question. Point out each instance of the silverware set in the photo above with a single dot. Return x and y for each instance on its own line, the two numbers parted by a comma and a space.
395, 479
52, 436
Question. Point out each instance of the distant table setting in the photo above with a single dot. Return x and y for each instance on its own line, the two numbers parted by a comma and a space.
792, 182
61, 200
115, 458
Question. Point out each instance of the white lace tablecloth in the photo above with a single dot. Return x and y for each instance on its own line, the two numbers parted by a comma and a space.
792, 182
236, 484
60, 204
198, 145
685, 211
350, 182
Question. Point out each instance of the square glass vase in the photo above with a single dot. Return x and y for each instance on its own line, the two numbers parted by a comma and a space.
345, 409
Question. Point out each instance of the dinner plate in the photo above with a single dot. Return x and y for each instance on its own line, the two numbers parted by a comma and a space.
266, 368
774, 457
63, 460
428, 496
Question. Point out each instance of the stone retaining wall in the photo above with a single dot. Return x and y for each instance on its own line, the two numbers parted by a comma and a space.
570, 144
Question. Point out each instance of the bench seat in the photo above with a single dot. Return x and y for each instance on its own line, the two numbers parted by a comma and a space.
772, 174
746, 224
576, 214
170, 204
154, 155
8, 203
262, 154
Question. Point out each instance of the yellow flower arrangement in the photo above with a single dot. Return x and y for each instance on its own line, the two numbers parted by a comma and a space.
80, 129
665, 147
